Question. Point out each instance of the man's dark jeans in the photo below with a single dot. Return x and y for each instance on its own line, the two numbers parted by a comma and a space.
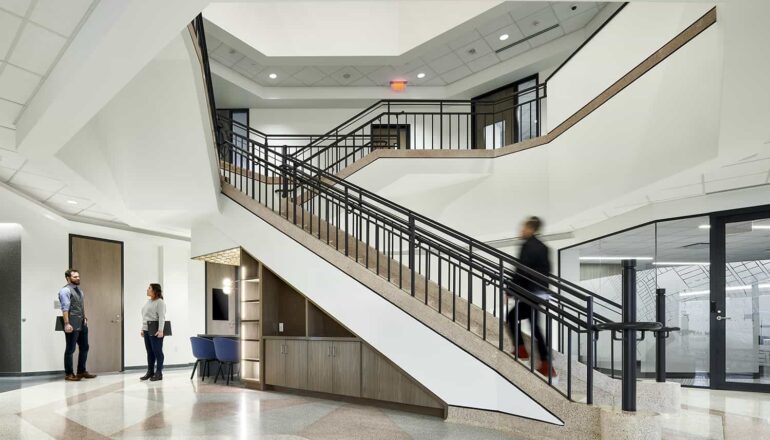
79, 338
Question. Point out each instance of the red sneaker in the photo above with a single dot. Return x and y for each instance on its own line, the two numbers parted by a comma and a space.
522, 353
543, 369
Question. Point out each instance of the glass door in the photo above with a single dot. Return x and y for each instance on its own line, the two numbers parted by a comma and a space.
740, 301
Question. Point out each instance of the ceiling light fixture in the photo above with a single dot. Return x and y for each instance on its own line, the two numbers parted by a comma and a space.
679, 263
704, 227
421, 75
273, 76
540, 32
503, 37
755, 227
72, 202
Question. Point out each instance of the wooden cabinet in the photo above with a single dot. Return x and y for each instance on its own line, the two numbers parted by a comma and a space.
384, 381
334, 367
286, 363
346, 366
320, 372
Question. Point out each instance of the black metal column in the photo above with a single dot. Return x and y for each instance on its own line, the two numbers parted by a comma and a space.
629, 336
660, 340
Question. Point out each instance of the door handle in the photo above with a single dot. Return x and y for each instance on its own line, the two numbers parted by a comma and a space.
720, 318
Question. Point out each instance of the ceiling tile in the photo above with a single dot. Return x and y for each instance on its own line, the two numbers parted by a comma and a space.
11, 159
382, 76
513, 51
212, 42
494, 24
65, 208
578, 21
37, 49
520, 10
546, 37
60, 16
738, 169
96, 215
538, 21
226, 55
16, 84
564, 11
436, 53
263, 77
309, 75
464, 39
327, 81
23, 178
6, 173
434, 82
677, 193
363, 82
365, 70
18, 7
291, 82
446, 63
35, 193
248, 67
65, 199
8, 112
514, 35
454, 75
329, 69
484, 62
474, 50
9, 25
736, 182
347, 75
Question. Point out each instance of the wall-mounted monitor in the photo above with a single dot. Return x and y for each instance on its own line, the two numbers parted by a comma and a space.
220, 305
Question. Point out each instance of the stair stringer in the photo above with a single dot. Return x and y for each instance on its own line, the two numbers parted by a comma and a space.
498, 387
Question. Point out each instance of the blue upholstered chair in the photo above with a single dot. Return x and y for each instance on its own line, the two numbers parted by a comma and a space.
203, 351
228, 354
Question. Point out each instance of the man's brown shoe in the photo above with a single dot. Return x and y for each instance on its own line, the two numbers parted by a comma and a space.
72, 377
86, 375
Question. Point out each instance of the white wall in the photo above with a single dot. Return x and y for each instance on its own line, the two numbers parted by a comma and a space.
147, 258
381, 324
298, 120
634, 34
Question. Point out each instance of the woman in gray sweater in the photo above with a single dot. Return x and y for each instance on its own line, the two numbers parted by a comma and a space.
154, 310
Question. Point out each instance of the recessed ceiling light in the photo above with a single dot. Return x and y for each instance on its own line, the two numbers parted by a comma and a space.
704, 227
72, 202
273, 75
503, 37
421, 75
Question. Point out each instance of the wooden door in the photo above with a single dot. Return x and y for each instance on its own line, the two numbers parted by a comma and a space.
295, 355
100, 264
320, 366
347, 368
275, 363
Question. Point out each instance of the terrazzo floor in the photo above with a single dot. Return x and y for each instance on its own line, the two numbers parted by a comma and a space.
119, 406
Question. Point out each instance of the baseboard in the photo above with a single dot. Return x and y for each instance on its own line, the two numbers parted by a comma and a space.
61, 372
144, 367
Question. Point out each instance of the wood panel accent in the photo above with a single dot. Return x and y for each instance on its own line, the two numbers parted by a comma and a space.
281, 303
320, 373
382, 380
347, 368
274, 363
215, 274
295, 353
321, 324
100, 263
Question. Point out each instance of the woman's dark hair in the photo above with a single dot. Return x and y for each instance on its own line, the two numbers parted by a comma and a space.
156, 290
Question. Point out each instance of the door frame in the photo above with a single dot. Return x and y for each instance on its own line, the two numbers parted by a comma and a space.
718, 297
122, 289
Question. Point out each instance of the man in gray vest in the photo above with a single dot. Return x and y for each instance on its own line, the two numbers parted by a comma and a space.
75, 326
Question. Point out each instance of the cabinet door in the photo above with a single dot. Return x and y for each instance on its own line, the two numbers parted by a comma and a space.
347, 368
319, 366
275, 370
296, 364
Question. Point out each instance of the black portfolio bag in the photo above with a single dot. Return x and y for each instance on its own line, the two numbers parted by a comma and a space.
59, 327
152, 328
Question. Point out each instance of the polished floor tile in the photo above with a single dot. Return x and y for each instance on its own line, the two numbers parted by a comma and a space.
119, 406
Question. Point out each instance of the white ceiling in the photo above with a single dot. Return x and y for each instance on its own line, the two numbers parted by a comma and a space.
451, 56
33, 36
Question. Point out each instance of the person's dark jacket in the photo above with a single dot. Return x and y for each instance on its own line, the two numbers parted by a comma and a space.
534, 254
